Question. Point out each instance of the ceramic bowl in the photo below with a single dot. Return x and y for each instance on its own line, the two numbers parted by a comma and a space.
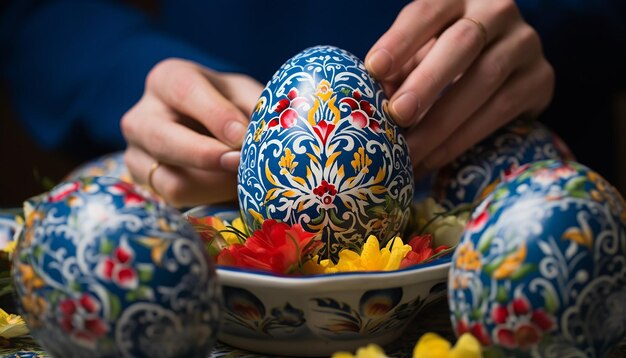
321, 314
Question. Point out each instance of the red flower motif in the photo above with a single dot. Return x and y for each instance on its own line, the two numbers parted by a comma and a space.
422, 249
323, 129
478, 221
518, 325
326, 193
63, 191
287, 115
131, 196
80, 319
276, 247
479, 331
118, 268
362, 112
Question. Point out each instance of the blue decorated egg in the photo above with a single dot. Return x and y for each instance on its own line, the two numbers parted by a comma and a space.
321, 152
103, 268
476, 172
541, 267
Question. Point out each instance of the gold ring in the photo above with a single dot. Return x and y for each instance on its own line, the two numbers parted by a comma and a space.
480, 25
153, 169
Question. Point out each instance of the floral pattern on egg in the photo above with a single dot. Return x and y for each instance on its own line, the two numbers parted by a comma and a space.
541, 267
103, 268
476, 172
321, 152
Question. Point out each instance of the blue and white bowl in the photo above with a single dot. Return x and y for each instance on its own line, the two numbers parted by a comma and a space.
321, 152
105, 269
541, 267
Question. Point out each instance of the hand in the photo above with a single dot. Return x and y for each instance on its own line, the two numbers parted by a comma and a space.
456, 70
192, 121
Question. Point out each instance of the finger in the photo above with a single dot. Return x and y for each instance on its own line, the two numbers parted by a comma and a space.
181, 186
392, 83
242, 90
474, 89
416, 24
537, 83
183, 86
170, 142
452, 54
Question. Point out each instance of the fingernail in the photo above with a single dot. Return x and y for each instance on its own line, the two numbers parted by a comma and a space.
379, 63
404, 108
235, 133
230, 161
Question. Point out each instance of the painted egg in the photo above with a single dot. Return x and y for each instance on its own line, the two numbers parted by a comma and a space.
541, 268
474, 173
104, 269
321, 152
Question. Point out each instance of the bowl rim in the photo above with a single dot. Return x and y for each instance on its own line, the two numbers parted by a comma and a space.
436, 270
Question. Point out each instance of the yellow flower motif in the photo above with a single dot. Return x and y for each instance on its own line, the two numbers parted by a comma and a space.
371, 258
11, 325
468, 259
259, 131
361, 161
260, 105
370, 351
431, 345
390, 133
286, 163
511, 263
324, 90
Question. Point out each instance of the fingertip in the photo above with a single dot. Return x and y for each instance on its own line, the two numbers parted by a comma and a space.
230, 161
404, 108
235, 132
378, 63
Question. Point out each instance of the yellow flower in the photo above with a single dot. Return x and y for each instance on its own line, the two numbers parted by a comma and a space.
511, 263
468, 259
361, 161
371, 258
370, 351
11, 325
324, 90
9, 247
286, 163
431, 345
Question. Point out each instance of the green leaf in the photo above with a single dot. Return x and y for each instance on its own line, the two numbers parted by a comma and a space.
114, 304
576, 184
485, 241
75, 286
377, 210
493, 265
476, 314
502, 296
145, 273
550, 302
334, 218
106, 247
501, 193
318, 220
523, 270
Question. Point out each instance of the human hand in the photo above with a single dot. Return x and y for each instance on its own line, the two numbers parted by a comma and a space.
192, 121
456, 70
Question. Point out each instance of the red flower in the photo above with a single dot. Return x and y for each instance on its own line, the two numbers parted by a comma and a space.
118, 268
287, 115
80, 319
326, 194
422, 250
518, 325
480, 333
63, 191
323, 130
131, 196
276, 247
362, 112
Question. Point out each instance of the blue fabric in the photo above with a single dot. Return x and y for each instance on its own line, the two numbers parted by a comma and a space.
74, 67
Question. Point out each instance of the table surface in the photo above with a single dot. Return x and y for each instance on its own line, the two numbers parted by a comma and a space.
435, 315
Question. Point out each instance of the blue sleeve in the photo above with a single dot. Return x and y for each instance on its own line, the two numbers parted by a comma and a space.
74, 68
